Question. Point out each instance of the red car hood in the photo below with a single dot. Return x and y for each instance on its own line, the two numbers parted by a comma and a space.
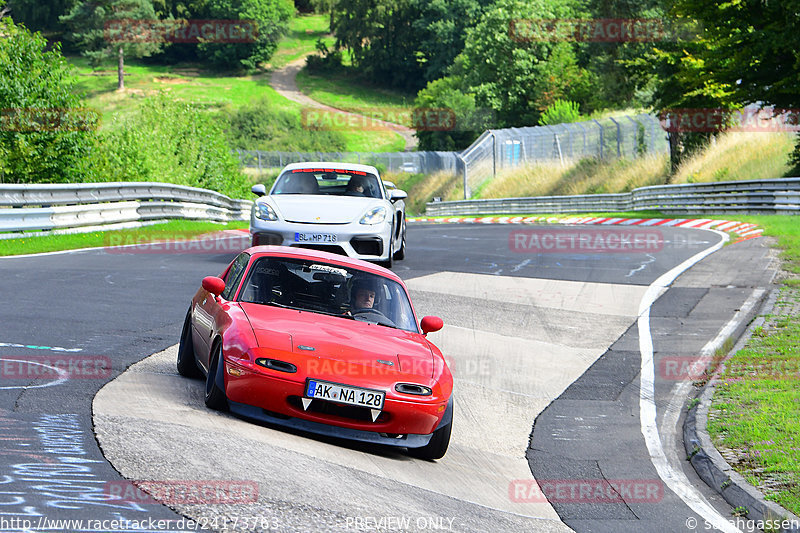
340, 339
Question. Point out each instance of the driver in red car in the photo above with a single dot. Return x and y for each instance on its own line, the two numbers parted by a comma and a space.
362, 294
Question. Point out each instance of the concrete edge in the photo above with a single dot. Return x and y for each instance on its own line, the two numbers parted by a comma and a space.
704, 456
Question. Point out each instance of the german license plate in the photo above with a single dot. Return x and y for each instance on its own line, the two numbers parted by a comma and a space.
334, 392
324, 238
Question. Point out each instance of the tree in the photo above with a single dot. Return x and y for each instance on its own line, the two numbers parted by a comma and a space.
271, 18
38, 15
45, 134
751, 51
455, 123
102, 29
515, 75
382, 40
404, 43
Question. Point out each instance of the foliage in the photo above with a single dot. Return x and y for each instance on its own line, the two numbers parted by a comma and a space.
518, 78
753, 51
45, 135
443, 99
38, 15
271, 18
325, 60
404, 43
173, 142
559, 112
259, 126
91, 22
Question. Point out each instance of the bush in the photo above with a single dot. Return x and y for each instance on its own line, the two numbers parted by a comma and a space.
170, 142
559, 112
445, 98
257, 126
45, 134
271, 18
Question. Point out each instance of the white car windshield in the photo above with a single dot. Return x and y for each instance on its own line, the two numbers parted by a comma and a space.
321, 181
324, 288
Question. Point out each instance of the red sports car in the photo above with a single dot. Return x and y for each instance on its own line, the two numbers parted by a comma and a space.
322, 343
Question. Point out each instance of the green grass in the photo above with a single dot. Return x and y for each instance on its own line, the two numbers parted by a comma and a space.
786, 230
304, 30
213, 91
756, 408
346, 91
175, 229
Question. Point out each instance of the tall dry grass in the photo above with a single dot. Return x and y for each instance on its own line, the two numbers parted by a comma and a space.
588, 176
739, 156
731, 156
422, 188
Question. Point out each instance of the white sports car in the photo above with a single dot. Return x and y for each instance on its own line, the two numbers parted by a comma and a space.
343, 208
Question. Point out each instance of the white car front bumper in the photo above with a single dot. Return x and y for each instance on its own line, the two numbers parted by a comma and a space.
362, 241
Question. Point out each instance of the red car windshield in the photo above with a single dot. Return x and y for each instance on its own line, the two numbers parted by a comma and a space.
320, 181
328, 289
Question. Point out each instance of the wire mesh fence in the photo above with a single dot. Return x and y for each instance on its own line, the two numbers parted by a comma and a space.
610, 138
412, 162
496, 150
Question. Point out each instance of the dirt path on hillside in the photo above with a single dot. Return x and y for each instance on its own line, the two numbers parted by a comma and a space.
284, 81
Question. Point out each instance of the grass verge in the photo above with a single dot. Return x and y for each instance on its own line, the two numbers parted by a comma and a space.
304, 31
755, 415
345, 91
174, 229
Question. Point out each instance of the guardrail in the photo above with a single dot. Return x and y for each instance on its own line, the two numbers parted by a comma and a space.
86, 206
780, 196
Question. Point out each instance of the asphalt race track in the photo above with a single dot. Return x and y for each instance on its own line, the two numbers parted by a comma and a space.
554, 338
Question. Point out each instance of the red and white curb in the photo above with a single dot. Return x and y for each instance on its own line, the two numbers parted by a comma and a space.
744, 230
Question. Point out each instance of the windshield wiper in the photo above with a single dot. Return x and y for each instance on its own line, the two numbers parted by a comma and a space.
307, 310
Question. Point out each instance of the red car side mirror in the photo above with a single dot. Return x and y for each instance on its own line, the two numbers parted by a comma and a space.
214, 285
430, 324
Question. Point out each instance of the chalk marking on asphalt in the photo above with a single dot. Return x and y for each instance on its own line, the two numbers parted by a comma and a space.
642, 266
676, 480
35, 347
63, 375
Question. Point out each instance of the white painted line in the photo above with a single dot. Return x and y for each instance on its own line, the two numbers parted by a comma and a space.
676, 480
669, 426
63, 376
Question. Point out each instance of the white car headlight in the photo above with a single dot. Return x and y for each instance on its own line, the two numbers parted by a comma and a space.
264, 211
374, 216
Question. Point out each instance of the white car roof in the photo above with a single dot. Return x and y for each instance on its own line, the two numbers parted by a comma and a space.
333, 165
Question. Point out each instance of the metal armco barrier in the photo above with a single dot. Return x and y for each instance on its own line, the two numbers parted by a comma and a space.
778, 196
70, 206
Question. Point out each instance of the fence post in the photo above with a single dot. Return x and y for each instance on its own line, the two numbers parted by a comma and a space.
466, 183
494, 157
619, 134
600, 127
